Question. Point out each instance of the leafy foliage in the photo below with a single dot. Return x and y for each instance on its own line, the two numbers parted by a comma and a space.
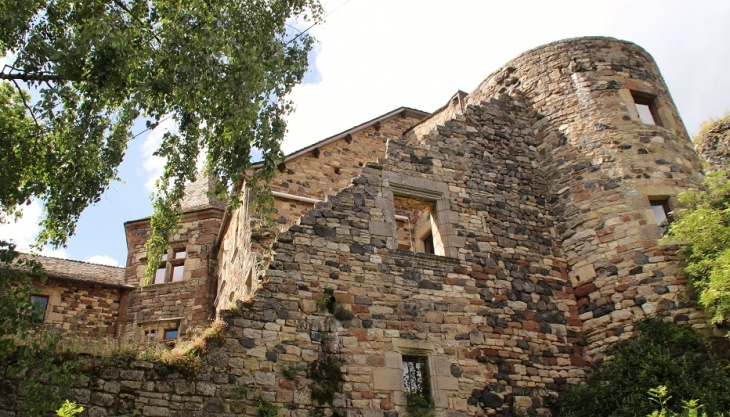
69, 409
326, 377
219, 70
660, 396
664, 353
46, 368
17, 312
703, 223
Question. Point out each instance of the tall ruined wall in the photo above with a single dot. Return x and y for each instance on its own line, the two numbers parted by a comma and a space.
603, 165
238, 264
189, 302
493, 317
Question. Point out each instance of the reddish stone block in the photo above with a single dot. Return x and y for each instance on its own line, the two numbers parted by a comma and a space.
584, 290
530, 325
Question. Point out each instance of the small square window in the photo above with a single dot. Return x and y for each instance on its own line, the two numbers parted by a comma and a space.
180, 254
40, 304
646, 107
150, 334
662, 213
170, 334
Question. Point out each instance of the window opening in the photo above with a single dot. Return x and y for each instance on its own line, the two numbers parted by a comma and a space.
171, 334
662, 213
40, 304
150, 334
172, 266
416, 225
416, 381
428, 243
646, 107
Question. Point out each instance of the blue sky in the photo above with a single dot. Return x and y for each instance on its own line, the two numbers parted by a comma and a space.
373, 56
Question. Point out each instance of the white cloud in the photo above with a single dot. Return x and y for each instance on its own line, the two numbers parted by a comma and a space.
153, 166
24, 231
103, 260
377, 55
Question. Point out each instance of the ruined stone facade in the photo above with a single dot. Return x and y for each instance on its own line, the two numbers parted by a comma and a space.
713, 143
502, 243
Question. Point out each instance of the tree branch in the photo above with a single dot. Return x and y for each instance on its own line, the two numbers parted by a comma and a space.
27, 106
39, 77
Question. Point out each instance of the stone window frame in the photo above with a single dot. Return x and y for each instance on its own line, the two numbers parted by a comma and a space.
424, 373
45, 310
444, 218
170, 262
649, 100
437, 365
666, 203
160, 327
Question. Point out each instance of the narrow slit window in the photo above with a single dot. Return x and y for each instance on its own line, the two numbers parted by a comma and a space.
428, 243
646, 108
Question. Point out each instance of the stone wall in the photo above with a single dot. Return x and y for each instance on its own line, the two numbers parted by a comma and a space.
189, 302
81, 309
333, 167
713, 143
602, 165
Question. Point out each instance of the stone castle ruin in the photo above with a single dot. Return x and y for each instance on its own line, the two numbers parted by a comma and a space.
486, 253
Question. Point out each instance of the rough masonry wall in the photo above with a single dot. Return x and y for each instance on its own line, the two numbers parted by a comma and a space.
495, 319
332, 170
189, 301
238, 264
713, 143
80, 309
603, 164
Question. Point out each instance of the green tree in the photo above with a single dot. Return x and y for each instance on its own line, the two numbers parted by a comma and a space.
220, 69
703, 225
81, 73
664, 354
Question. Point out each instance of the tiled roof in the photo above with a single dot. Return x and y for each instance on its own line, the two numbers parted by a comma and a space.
196, 196
83, 271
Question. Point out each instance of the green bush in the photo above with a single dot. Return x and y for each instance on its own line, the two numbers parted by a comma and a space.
664, 354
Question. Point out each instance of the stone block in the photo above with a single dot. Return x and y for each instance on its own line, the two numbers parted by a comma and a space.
387, 379
393, 360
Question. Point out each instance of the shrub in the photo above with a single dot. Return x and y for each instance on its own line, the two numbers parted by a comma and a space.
664, 353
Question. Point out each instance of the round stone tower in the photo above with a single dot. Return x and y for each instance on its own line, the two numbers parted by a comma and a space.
616, 154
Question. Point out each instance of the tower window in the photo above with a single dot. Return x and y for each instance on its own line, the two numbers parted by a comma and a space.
646, 107
172, 266
662, 213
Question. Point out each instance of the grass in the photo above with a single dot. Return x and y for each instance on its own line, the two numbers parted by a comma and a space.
183, 357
